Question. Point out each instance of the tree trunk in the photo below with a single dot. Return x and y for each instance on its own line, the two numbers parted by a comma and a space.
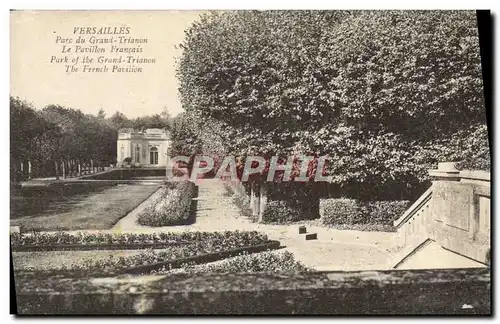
91, 166
29, 170
263, 201
79, 168
56, 164
64, 169
252, 196
256, 200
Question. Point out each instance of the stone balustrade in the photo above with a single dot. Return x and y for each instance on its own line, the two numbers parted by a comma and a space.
454, 212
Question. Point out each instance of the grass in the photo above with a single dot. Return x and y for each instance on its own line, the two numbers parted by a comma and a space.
53, 260
96, 210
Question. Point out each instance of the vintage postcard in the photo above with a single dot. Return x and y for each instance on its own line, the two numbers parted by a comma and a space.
270, 162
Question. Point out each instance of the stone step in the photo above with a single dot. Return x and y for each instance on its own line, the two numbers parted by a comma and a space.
311, 236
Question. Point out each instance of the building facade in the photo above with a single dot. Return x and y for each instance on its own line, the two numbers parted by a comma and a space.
147, 148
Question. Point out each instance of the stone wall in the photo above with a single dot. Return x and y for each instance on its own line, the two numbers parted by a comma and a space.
456, 291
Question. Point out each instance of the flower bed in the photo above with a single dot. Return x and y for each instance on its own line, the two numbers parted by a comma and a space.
83, 241
173, 206
259, 262
215, 248
219, 254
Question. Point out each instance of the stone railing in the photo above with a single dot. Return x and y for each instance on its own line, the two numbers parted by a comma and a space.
451, 291
412, 225
454, 212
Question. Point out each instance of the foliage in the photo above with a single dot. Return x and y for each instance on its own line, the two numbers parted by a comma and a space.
259, 262
212, 244
340, 211
52, 238
183, 137
469, 147
385, 212
280, 211
31, 136
173, 206
373, 90
243, 203
57, 134
119, 121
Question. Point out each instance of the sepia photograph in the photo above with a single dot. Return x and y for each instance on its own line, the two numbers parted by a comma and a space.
250, 162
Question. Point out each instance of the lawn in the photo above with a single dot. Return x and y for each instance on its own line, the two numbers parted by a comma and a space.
94, 210
51, 260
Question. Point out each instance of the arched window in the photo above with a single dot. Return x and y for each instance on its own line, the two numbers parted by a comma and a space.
153, 155
122, 153
137, 154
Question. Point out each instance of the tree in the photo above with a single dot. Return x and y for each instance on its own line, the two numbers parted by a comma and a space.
101, 114
33, 139
119, 121
367, 88
153, 121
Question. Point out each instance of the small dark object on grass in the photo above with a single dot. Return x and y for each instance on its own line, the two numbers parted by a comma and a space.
302, 229
311, 236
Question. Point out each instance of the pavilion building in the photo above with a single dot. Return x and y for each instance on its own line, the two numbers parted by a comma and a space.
146, 148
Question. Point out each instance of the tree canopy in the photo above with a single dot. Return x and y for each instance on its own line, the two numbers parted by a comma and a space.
56, 133
373, 90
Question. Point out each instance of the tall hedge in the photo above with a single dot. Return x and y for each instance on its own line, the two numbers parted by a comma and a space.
383, 93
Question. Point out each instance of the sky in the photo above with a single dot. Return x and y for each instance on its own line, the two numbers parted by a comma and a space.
33, 42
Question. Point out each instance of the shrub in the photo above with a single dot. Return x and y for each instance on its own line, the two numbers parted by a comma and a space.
281, 211
240, 200
354, 212
229, 191
84, 238
259, 262
243, 204
385, 212
172, 208
204, 243
340, 211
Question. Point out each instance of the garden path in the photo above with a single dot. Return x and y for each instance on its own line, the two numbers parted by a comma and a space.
333, 250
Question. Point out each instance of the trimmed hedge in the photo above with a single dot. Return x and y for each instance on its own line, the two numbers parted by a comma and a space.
243, 204
258, 262
280, 211
213, 244
241, 201
385, 212
85, 238
173, 207
340, 211
354, 212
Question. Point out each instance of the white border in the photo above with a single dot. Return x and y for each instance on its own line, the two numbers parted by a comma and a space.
191, 5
